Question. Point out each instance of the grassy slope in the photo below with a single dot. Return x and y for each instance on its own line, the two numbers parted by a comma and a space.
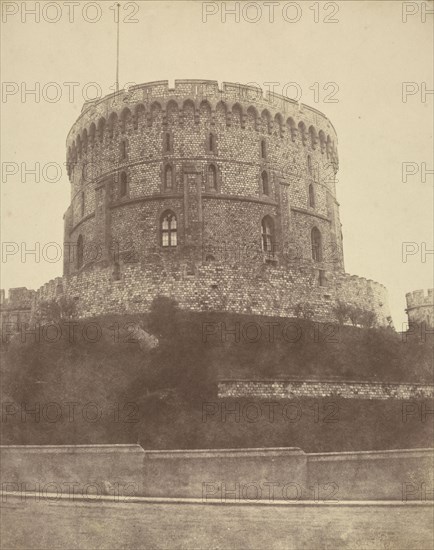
128, 384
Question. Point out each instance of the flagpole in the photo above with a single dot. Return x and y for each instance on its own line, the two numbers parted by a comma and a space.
117, 52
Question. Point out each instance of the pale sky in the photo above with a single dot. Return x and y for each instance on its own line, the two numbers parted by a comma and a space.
366, 55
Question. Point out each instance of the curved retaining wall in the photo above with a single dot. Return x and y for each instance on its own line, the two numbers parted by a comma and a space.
266, 290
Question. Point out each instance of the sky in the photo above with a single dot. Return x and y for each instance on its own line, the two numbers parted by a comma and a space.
366, 64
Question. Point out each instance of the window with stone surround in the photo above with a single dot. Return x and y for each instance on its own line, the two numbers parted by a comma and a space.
211, 143
167, 142
267, 232
322, 280
169, 236
168, 176
212, 177
263, 149
265, 188
123, 185
82, 204
316, 241
311, 196
309, 165
123, 149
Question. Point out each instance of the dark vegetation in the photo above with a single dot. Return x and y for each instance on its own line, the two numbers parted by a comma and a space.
102, 383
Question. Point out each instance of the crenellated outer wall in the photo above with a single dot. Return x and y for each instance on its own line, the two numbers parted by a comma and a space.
268, 291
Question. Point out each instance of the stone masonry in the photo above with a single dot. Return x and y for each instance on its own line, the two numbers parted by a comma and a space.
420, 307
221, 198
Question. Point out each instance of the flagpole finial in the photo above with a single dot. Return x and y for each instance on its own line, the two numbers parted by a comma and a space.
117, 50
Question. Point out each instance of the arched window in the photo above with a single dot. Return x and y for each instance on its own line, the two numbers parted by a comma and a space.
328, 146
322, 141
309, 165
212, 177
264, 183
80, 251
211, 143
302, 130
168, 229
313, 137
311, 196
315, 237
123, 146
168, 177
267, 230
167, 142
263, 149
123, 188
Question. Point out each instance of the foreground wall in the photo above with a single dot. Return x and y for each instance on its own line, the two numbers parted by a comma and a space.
71, 469
244, 475
381, 475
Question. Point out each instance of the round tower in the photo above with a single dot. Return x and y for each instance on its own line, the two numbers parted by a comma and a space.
225, 185
192, 167
420, 307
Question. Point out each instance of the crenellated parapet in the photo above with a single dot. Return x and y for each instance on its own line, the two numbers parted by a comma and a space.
51, 290
223, 198
278, 111
17, 307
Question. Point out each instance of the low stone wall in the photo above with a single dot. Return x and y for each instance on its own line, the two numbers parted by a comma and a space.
81, 470
221, 475
225, 474
288, 389
373, 475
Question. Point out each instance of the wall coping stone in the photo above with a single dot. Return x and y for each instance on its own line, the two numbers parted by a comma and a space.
370, 455
99, 449
224, 453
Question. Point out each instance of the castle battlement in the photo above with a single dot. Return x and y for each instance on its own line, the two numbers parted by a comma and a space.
18, 298
220, 197
282, 110
417, 298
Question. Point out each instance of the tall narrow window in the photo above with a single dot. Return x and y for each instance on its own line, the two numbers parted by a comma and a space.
264, 183
309, 165
123, 189
123, 150
168, 230
322, 280
311, 196
167, 142
168, 177
263, 149
212, 177
211, 143
82, 204
267, 229
80, 251
316, 244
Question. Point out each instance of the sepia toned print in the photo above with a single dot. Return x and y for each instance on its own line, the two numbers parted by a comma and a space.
217, 309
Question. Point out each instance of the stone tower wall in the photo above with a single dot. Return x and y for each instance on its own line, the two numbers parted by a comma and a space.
420, 307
